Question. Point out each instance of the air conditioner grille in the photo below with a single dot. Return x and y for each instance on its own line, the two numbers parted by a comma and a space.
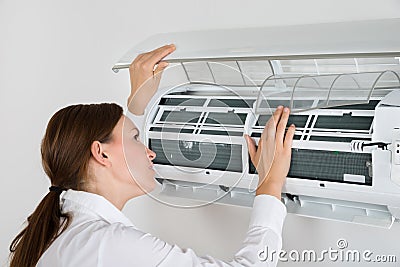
204, 155
369, 106
168, 101
180, 116
215, 132
228, 118
298, 120
237, 103
343, 122
171, 130
327, 165
336, 139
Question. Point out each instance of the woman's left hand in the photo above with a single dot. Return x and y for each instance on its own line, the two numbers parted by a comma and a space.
145, 75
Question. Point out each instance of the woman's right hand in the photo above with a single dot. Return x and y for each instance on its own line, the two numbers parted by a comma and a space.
272, 157
145, 75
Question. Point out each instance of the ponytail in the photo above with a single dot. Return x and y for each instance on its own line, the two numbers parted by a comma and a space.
44, 225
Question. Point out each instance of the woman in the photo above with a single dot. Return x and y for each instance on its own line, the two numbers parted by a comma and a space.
83, 155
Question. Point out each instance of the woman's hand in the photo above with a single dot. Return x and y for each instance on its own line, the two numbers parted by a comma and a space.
272, 157
145, 75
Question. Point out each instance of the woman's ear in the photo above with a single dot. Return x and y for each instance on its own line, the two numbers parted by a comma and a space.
98, 153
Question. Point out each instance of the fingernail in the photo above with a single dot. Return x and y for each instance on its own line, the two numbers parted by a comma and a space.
279, 107
286, 110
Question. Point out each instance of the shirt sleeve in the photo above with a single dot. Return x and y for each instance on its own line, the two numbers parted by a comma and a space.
130, 247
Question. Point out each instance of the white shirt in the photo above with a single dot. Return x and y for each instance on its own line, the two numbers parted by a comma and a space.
100, 235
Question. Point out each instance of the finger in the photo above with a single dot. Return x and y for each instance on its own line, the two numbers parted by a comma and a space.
251, 146
162, 48
149, 54
148, 61
158, 54
280, 130
287, 145
270, 129
257, 157
270, 126
160, 67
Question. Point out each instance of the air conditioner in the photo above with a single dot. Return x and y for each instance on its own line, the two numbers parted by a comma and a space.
341, 81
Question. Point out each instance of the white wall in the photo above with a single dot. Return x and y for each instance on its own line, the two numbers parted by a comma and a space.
54, 53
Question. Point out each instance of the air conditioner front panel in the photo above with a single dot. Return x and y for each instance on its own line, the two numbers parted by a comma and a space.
343, 91
325, 40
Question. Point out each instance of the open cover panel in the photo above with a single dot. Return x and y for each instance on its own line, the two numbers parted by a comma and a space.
324, 40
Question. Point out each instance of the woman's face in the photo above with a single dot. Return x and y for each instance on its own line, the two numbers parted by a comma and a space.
132, 153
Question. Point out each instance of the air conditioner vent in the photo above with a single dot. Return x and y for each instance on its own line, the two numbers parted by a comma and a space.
222, 132
204, 115
298, 120
332, 166
237, 103
168, 101
180, 116
346, 121
229, 118
171, 130
203, 155
336, 139
369, 106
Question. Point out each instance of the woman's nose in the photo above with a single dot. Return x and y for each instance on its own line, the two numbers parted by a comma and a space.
150, 153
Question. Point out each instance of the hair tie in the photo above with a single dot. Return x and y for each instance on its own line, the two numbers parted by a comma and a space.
56, 189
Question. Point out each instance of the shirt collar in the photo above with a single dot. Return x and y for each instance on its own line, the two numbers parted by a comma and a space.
81, 201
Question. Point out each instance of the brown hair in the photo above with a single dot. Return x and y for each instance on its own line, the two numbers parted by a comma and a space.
65, 153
